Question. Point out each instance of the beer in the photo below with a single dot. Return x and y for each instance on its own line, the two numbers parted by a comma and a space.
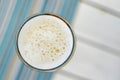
45, 42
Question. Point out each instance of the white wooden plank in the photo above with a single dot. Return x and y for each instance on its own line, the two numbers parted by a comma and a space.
98, 26
94, 64
113, 4
60, 77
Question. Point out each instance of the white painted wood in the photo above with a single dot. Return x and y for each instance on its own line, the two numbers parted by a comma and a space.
97, 26
114, 4
94, 64
60, 77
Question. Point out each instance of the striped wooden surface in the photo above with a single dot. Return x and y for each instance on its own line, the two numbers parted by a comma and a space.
12, 14
96, 24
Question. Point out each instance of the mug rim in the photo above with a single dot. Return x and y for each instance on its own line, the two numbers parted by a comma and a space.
57, 67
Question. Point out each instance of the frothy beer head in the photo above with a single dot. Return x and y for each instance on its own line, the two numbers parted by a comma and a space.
45, 42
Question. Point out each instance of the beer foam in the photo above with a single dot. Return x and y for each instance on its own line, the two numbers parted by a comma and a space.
45, 42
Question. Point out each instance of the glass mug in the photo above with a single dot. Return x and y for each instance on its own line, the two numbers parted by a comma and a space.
45, 42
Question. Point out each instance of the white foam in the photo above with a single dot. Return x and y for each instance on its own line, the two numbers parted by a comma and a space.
45, 42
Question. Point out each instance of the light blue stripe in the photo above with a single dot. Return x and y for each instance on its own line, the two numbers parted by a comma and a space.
40, 76
72, 10
27, 75
66, 11
23, 73
64, 8
5, 63
22, 17
6, 19
7, 37
50, 6
24, 14
60, 7
19, 72
4, 10
48, 76
41, 8
10, 27
44, 6
1, 5
4, 42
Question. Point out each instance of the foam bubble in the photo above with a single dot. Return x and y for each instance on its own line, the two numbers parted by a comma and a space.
45, 42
